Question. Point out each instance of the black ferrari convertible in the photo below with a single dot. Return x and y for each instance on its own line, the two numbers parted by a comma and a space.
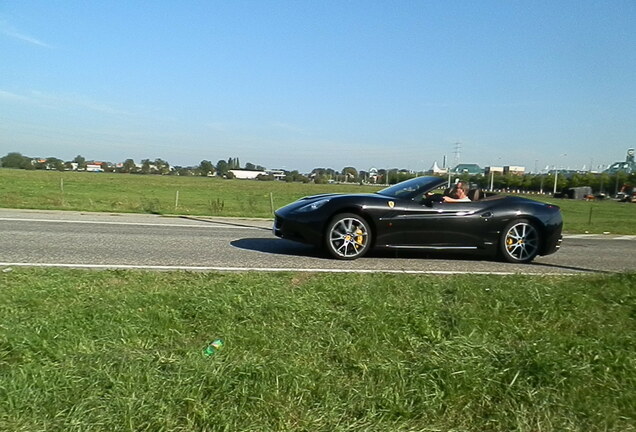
413, 215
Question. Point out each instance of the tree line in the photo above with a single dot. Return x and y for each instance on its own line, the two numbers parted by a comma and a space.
599, 182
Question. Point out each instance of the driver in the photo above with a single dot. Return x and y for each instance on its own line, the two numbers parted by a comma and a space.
457, 194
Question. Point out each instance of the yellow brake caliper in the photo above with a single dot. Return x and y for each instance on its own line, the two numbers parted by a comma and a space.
359, 238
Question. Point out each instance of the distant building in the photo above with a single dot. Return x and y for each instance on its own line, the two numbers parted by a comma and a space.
373, 175
628, 167
471, 169
494, 169
277, 174
95, 167
516, 170
246, 174
435, 169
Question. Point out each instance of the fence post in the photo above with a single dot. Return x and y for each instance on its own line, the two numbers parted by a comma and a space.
176, 201
271, 202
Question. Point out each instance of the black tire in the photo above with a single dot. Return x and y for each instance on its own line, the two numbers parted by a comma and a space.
348, 236
519, 242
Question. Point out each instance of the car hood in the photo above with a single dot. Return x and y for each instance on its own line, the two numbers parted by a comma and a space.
336, 195
331, 196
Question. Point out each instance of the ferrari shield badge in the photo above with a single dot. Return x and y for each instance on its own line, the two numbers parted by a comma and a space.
391, 204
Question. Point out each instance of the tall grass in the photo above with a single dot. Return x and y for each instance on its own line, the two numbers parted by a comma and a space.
116, 350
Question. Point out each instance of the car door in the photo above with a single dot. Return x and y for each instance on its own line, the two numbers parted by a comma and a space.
440, 225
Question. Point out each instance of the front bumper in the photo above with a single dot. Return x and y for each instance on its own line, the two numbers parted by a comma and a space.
303, 231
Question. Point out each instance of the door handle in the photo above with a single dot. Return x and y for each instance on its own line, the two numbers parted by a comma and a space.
486, 215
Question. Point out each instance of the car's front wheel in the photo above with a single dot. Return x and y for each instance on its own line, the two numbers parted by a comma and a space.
519, 242
348, 236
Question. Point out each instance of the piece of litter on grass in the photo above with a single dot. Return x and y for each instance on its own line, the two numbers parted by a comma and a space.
7, 270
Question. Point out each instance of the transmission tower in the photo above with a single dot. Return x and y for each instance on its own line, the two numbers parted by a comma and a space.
457, 152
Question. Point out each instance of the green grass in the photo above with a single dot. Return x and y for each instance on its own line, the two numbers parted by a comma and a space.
594, 216
204, 196
122, 350
102, 192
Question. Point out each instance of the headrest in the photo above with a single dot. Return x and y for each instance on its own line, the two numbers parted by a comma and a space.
474, 194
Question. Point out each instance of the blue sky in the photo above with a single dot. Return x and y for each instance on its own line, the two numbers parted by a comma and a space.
305, 84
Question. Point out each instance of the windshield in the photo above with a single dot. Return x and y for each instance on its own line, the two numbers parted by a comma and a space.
411, 188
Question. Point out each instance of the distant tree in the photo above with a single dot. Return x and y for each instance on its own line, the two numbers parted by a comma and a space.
230, 175
233, 163
392, 176
80, 161
222, 167
206, 168
145, 166
54, 163
265, 177
250, 166
15, 160
382, 176
295, 176
326, 173
129, 166
108, 167
162, 166
260, 168
350, 174
183, 171
321, 179
513, 181
603, 183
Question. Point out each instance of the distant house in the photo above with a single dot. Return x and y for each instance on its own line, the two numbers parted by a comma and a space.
277, 174
471, 169
95, 167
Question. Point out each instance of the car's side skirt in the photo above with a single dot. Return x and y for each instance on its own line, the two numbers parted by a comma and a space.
433, 247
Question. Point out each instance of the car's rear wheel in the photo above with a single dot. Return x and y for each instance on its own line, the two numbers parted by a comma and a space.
348, 236
519, 242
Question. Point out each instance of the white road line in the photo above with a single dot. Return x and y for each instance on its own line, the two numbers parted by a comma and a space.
599, 237
206, 225
269, 269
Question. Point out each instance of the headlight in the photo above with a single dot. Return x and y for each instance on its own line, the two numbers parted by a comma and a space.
313, 206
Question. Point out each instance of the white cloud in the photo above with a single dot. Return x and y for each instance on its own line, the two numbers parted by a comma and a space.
9, 31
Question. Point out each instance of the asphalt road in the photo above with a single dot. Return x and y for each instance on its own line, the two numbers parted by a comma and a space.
100, 240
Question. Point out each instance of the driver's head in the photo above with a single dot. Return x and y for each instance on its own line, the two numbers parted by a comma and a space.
455, 192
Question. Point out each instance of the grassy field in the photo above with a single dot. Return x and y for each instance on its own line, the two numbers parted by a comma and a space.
235, 198
115, 350
131, 193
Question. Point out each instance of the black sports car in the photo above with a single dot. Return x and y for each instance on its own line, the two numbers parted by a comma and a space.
411, 215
